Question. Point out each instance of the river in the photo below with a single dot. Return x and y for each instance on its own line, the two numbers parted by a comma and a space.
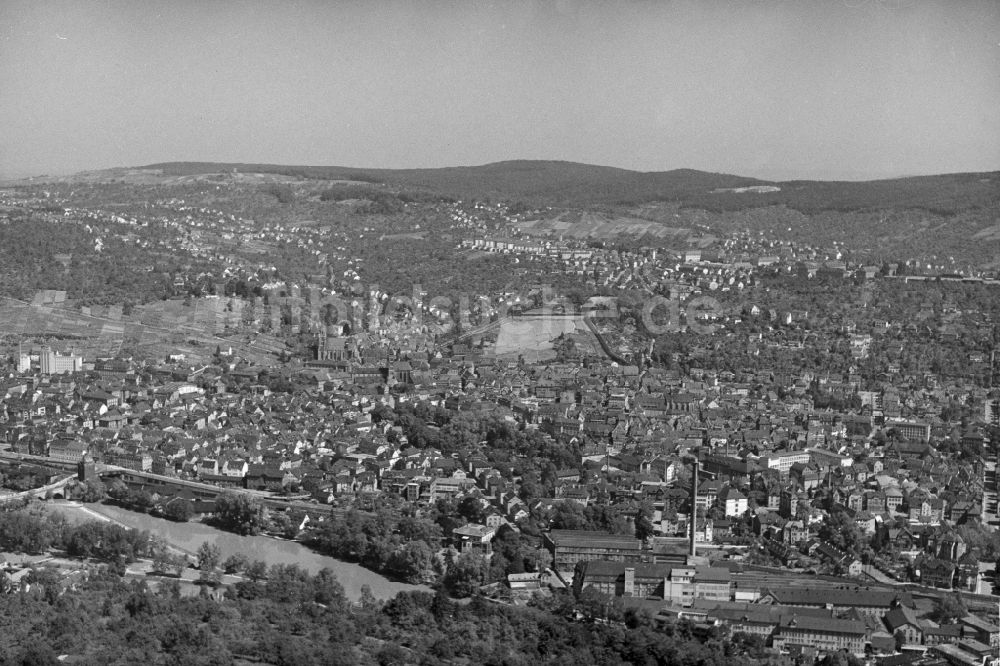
189, 536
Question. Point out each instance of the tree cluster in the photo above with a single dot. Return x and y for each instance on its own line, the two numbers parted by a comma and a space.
240, 513
34, 532
388, 542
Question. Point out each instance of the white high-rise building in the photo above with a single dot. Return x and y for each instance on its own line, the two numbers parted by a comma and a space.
54, 363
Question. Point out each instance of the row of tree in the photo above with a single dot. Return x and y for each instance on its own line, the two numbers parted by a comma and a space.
35, 531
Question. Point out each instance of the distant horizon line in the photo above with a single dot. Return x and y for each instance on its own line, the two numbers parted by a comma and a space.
9, 175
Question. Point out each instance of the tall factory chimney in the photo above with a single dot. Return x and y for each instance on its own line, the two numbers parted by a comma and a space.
692, 549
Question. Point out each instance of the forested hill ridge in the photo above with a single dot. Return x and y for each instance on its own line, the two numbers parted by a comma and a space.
571, 183
534, 181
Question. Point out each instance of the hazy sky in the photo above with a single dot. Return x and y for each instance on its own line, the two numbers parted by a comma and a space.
781, 89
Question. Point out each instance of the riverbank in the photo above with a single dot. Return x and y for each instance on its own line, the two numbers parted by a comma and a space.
187, 537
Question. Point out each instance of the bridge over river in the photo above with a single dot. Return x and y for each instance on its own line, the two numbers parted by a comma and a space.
154, 483
53, 489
